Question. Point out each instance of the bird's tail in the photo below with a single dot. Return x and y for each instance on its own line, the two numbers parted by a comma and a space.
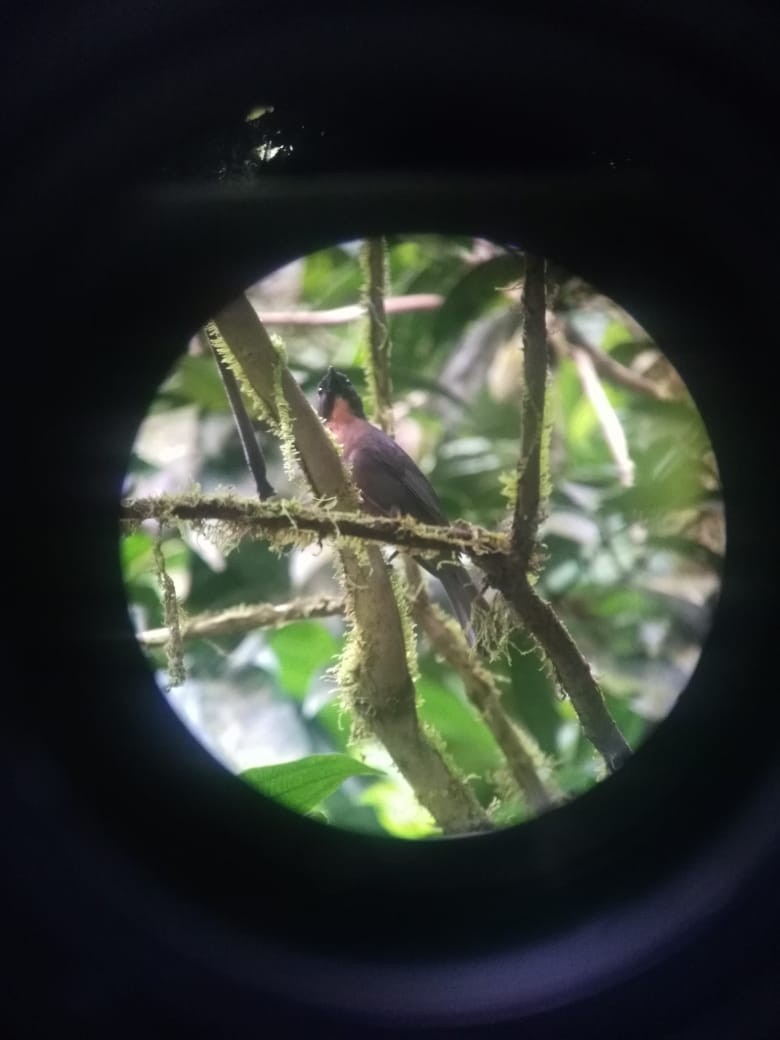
463, 595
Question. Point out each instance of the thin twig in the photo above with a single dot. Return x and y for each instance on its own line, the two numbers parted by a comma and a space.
241, 619
568, 338
353, 311
608, 420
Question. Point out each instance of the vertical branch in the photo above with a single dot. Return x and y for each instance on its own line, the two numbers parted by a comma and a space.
529, 473
374, 263
510, 575
174, 650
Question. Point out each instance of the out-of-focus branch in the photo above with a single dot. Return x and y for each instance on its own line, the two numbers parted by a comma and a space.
529, 472
374, 263
172, 617
353, 311
523, 756
565, 341
241, 619
382, 691
608, 421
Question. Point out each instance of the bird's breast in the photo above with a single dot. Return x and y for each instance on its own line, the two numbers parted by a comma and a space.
347, 430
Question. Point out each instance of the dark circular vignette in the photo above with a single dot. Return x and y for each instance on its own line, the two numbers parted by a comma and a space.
656, 925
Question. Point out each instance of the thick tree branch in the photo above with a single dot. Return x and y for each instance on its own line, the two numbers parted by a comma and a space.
381, 688
241, 619
269, 518
529, 473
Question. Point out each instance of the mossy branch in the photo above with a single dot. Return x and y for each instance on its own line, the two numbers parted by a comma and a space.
570, 667
245, 618
173, 649
373, 256
382, 691
289, 522
525, 760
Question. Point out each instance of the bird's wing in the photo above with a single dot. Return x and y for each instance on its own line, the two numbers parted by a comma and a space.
390, 480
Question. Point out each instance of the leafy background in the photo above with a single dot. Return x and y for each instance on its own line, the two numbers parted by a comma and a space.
632, 571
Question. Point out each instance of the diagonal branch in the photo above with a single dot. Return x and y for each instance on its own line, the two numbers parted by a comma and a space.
241, 619
523, 756
570, 667
609, 422
565, 338
380, 686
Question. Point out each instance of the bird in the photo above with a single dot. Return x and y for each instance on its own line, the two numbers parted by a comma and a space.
391, 483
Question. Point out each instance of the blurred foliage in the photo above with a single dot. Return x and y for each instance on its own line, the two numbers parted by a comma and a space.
632, 571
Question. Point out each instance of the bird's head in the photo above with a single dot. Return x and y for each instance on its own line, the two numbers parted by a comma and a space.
334, 387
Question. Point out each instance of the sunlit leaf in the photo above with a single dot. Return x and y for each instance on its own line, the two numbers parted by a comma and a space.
399, 811
303, 784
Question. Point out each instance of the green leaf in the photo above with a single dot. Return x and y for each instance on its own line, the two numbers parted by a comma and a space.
302, 649
615, 335
398, 810
469, 742
303, 784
